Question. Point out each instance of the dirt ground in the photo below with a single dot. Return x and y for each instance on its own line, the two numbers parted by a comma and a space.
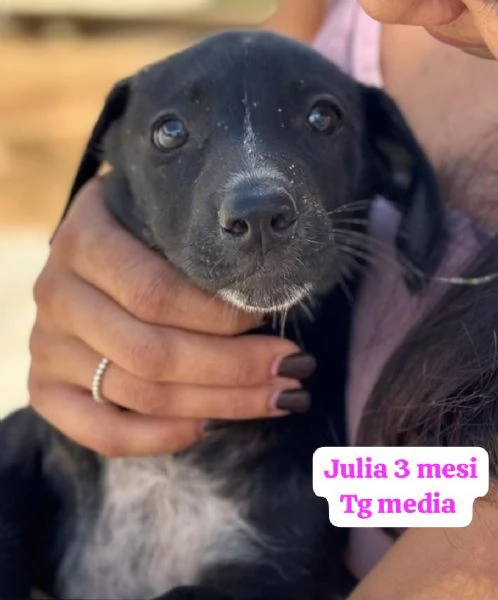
51, 90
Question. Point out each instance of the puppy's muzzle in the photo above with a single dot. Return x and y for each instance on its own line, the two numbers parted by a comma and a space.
256, 217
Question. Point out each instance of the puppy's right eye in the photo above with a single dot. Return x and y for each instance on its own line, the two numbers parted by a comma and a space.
169, 134
324, 117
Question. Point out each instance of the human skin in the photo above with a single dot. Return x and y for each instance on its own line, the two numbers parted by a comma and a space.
176, 360
449, 98
439, 564
471, 25
436, 84
425, 77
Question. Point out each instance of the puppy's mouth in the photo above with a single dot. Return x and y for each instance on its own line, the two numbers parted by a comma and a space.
289, 297
263, 294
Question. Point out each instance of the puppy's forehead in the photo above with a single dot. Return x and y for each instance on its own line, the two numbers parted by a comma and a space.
233, 63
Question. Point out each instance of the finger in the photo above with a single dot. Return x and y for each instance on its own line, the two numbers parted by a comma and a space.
104, 254
71, 361
105, 428
157, 353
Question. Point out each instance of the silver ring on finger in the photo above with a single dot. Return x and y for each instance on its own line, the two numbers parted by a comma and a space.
97, 380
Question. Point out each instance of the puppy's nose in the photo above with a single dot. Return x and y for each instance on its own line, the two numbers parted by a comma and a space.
255, 216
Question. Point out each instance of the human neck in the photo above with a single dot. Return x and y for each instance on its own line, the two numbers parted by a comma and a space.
450, 99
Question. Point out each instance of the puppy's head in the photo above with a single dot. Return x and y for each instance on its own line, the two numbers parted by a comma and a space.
248, 160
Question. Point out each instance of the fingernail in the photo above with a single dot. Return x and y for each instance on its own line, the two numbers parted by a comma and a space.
297, 366
294, 401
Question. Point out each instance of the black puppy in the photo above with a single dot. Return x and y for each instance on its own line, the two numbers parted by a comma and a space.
247, 161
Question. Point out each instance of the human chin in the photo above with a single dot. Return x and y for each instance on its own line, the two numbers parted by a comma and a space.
479, 48
482, 53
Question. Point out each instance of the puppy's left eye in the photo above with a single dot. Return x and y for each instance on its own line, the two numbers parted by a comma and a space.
324, 117
169, 134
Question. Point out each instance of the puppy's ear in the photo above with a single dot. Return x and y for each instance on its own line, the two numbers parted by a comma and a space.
401, 173
114, 108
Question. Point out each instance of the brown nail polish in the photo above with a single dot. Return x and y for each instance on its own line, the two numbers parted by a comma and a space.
297, 366
295, 401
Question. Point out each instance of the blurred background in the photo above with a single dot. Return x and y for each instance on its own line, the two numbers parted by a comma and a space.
58, 59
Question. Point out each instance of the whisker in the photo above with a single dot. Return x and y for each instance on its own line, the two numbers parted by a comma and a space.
363, 240
351, 206
359, 252
283, 321
297, 333
354, 252
309, 241
359, 235
384, 250
345, 289
297, 259
369, 257
352, 221
306, 310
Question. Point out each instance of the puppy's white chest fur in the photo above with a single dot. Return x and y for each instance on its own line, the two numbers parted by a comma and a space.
161, 523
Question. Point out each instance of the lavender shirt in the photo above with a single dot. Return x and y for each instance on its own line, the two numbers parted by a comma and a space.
385, 311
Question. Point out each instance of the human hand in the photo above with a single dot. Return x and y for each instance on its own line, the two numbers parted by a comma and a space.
175, 358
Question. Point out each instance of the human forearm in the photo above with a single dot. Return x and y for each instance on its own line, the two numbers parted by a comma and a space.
297, 19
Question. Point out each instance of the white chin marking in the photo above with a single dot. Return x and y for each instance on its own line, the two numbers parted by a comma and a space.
294, 294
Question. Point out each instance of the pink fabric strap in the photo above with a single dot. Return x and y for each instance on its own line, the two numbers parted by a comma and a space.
351, 39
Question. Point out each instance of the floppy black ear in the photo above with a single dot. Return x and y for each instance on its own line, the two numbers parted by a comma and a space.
114, 108
401, 172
